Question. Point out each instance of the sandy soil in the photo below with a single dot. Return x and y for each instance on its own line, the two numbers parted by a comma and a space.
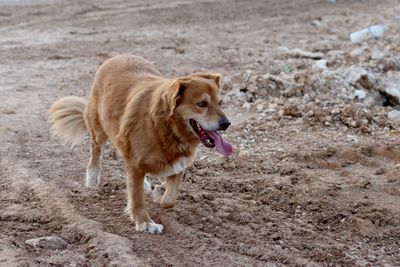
300, 190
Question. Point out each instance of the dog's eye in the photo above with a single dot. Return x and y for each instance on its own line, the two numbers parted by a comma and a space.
202, 104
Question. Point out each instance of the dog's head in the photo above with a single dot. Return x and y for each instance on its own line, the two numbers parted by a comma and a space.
196, 99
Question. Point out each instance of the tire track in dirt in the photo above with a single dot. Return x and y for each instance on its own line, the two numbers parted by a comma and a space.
103, 247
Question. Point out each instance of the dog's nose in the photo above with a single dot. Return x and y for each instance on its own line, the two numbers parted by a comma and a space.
224, 123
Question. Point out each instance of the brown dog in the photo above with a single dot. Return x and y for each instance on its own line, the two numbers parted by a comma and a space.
155, 123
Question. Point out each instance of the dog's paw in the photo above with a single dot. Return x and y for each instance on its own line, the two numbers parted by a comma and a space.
148, 187
92, 177
150, 227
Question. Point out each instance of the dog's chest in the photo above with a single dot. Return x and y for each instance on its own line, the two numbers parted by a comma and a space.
179, 166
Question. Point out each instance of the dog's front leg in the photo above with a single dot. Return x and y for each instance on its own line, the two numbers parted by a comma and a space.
136, 203
171, 190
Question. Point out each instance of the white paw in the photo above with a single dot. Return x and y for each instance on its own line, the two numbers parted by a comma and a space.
150, 228
92, 177
147, 185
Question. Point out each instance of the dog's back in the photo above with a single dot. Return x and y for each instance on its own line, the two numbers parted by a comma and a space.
116, 82
124, 68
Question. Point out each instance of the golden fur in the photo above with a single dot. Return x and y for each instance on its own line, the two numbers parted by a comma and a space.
146, 118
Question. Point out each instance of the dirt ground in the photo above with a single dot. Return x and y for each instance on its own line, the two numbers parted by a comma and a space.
315, 178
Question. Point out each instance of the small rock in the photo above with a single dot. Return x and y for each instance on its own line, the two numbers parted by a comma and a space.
247, 106
394, 115
353, 75
380, 171
47, 242
360, 94
316, 23
275, 70
357, 52
373, 31
321, 64
377, 54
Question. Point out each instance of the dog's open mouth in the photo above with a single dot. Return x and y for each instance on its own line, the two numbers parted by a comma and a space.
212, 139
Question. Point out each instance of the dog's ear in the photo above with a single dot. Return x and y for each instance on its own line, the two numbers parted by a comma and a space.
215, 77
175, 94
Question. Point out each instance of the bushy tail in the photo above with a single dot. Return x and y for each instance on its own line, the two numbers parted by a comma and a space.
66, 117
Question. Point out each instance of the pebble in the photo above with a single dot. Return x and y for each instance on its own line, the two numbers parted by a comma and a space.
360, 94
47, 242
377, 54
321, 64
357, 52
394, 115
353, 75
247, 106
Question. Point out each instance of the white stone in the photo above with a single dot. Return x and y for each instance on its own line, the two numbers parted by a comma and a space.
353, 75
377, 54
395, 92
360, 94
321, 64
394, 115
357, 52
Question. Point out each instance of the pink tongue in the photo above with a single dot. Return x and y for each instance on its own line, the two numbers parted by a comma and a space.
221, 145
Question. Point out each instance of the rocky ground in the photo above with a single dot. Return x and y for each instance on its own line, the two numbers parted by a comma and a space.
315, 178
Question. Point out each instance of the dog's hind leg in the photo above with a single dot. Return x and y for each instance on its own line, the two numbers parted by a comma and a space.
94, 168
97, 139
